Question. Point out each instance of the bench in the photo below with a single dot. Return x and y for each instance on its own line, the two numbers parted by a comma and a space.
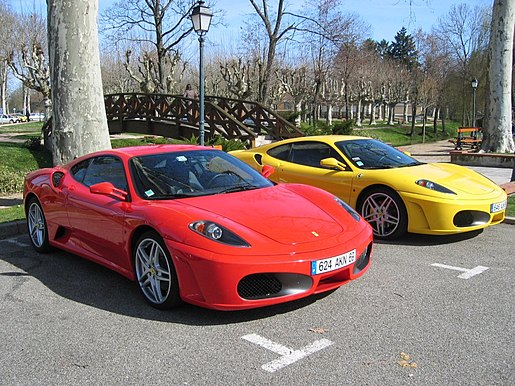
467, 136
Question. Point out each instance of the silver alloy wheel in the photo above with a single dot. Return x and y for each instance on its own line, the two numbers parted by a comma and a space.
153, 271
36, 225
382, 213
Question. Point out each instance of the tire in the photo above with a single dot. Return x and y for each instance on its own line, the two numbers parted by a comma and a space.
384, 210
155, 272
37, 227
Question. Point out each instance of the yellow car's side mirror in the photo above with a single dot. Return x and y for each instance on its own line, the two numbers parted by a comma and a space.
332, 163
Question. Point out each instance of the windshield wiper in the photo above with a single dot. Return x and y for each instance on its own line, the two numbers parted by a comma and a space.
172, 196
238, 188
380, 167
416, 163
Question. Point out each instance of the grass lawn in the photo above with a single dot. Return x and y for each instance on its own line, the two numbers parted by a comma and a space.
399, 135
13, 213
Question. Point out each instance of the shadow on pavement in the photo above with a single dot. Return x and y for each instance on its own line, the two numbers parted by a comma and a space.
424, 240
87, 283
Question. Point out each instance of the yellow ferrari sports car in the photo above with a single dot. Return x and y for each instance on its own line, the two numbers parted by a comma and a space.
394, 192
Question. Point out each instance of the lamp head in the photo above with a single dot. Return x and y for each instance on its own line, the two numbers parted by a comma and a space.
201, 18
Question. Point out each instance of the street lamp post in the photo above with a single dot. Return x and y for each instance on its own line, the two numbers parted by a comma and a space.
474, 84
201, 19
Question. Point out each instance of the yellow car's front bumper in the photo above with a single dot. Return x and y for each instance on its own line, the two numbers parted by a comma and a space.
431, 215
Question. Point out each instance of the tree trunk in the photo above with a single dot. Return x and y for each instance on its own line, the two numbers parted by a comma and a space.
372, 114
3, 86
413, 118
329, 119
436, 113
391, 114
498, 136
79, 117
358, 113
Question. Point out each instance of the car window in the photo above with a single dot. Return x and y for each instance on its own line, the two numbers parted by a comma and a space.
281, 152
78, 171
312, 152
105, 169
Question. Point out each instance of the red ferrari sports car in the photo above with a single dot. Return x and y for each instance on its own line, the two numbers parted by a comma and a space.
195, 224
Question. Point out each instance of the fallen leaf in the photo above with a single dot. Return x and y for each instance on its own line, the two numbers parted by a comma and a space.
405, 362
318, 330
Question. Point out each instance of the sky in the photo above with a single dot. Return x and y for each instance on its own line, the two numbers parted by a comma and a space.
385, 17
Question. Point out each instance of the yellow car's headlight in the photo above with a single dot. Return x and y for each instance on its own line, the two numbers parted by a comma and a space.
433, 186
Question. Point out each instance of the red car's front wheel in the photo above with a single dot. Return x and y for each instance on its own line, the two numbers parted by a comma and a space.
155, 273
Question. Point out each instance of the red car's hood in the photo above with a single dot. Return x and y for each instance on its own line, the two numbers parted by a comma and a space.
276, 212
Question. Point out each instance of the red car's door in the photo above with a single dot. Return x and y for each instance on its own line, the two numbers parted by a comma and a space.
98, 221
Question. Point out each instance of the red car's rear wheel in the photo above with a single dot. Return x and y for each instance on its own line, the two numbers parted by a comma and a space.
36, 224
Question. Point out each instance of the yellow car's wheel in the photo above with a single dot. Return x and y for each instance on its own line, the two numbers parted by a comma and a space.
384, 210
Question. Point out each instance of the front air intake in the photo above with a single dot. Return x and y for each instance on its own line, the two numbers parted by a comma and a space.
259, 286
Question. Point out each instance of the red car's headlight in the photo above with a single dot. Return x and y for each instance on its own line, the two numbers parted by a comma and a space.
348, 208
218, 233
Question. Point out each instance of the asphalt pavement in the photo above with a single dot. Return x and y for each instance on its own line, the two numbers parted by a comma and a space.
431, 310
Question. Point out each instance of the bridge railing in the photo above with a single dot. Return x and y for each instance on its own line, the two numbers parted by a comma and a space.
230, 118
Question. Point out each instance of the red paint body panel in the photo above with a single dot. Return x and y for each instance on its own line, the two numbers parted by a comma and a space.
286, 226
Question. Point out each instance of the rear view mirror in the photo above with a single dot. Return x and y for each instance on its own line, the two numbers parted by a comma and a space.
267, 171
332, 163
108, 189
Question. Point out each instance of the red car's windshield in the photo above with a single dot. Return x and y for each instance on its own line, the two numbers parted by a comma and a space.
192, 173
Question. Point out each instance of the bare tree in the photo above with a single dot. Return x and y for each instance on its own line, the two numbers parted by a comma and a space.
296, 83
237, 75
28, 61
79, 117
6, 42
462, 32
275, 33
498, 134
161, 24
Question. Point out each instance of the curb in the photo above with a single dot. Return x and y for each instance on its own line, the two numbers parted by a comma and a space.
13, 228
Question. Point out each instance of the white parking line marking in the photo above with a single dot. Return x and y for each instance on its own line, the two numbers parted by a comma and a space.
288, 355
15, 242
467, 273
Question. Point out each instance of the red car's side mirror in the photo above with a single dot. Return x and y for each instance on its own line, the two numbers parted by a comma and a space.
267, 171
108, 189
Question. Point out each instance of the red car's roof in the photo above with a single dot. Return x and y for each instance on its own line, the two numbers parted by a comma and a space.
128, 152
154, 149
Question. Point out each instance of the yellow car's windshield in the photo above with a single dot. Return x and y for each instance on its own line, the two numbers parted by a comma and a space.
373, 154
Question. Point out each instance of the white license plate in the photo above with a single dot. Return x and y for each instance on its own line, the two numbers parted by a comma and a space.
497, 207
333, 263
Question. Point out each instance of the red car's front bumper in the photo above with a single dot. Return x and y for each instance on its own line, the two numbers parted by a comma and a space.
229, 282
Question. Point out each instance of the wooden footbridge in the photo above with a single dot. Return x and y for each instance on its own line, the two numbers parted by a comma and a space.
174, 116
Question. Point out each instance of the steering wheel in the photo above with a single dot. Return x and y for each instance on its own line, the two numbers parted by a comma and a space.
223, 174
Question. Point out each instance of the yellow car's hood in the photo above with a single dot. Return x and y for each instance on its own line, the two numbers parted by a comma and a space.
459, 179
